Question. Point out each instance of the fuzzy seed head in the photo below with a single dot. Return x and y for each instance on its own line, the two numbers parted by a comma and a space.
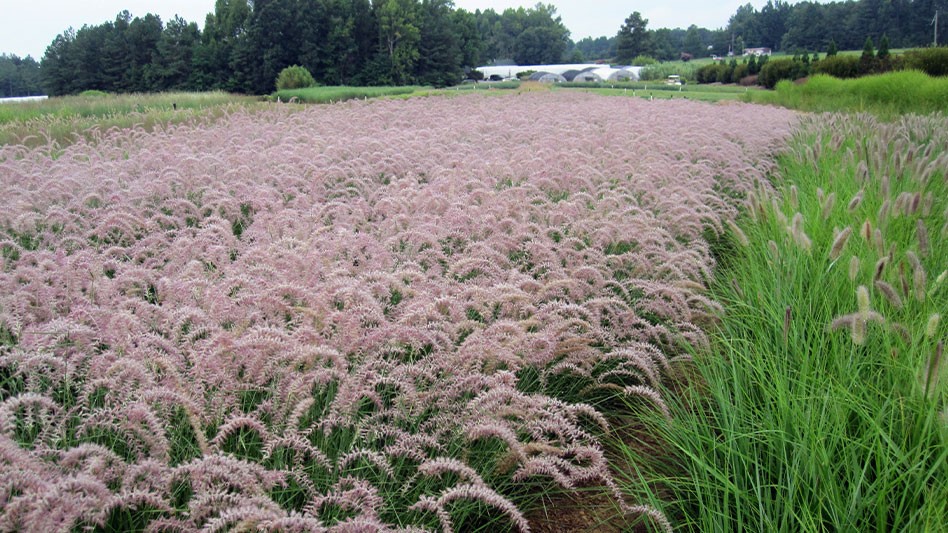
862, 299
890, 294
840, 242
855, 201
853, 268
741, 237
931, 328
880, 267
921, 231
827, 206
858, 330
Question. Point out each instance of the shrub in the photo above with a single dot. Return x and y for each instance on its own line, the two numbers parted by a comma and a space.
838, 66
749, 81
739, 72
295, 77
782, 69
643, 61
714, 72
932, 61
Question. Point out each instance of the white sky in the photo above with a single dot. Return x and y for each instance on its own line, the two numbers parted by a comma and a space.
28, 26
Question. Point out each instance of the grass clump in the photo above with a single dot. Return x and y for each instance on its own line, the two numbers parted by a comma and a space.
824, 403
887, 95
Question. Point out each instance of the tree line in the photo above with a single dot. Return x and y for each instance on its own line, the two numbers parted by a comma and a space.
19, 76
780, 26
244, 44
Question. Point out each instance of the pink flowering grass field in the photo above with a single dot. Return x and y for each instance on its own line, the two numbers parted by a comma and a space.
389, 315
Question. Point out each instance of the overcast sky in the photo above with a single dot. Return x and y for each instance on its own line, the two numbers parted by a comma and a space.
28, 26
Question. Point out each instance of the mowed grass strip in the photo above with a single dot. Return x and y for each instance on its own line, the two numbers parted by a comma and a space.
822, 405
330, 94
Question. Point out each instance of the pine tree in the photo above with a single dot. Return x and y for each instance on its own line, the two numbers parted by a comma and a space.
633, 39
883, 47
833, 49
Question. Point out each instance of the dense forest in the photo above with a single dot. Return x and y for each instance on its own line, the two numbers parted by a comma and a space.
245, 43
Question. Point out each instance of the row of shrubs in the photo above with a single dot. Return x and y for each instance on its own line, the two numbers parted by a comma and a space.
744, 73
932, 61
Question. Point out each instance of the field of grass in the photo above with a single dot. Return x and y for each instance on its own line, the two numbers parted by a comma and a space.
822, 405
356, 317
63, 119
888, 95
332, 94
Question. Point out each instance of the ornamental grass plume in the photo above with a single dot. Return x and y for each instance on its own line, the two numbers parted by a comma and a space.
840, 242
854, 265
276, 320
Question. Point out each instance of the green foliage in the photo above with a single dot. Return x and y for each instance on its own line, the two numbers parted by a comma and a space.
889, 94
325, 95
883, 52
643, 61
19, 76
661, 71
598, 48
832, 50
846, 66
67, 119
295, 77
932, 61
633, 39
731, 72
791, 425
777, 70
244, 44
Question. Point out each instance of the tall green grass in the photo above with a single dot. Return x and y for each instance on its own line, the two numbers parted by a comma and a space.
62, 120
96, 104
887, 95
822, 406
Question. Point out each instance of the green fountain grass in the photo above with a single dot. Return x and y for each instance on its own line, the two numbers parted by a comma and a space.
790, 425
62, 120
888, 95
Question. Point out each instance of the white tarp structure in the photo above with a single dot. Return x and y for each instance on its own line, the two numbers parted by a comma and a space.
618, 74
22, 99
587, 71
547, 77
510, 71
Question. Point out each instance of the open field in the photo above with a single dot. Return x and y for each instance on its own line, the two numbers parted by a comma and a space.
889, 95
387, 314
